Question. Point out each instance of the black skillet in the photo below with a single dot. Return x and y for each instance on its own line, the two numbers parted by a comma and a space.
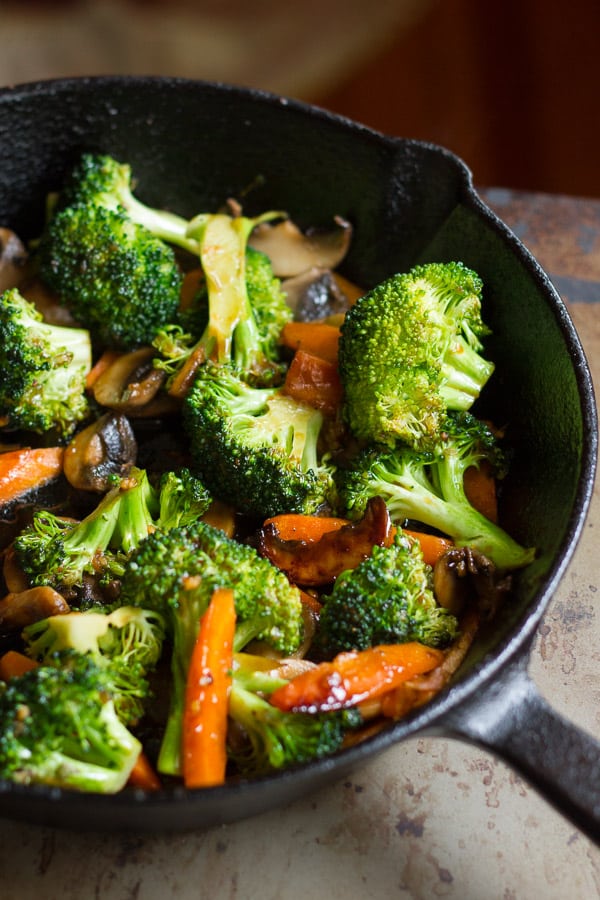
191, 145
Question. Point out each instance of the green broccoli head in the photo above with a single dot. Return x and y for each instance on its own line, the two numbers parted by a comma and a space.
114, 275
428, 487
176, 572
183, 499
255, 448
58, 726
276, 740
99, 180
42, 369
410, 350
126, 643
387, 599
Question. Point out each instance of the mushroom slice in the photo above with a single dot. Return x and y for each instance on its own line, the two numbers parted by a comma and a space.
28, 606
463, 574
292, 251
13, 259
314, 294
314, 563
131, 385
106, 447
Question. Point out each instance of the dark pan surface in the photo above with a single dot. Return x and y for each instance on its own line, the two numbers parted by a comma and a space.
191, 145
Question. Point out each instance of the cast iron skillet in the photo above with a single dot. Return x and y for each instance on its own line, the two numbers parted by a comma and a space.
191, 145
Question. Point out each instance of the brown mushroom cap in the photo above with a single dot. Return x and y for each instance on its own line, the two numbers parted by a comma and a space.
106, 447
132, 385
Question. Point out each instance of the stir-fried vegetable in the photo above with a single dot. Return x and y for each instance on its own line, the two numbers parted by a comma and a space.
300, 551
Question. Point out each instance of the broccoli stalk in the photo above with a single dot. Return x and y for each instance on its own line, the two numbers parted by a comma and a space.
42, 369
255, 448
245, 306
276, 739
410, 350
58, 726
175, 572
386, 599
428, 487
126, 643
254, 347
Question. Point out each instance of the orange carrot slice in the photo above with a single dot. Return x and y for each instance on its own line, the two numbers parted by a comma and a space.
354, 677
27, 469
204, 751
143, 775
301, 527
316, 338
432, 546
480, 488
13, 664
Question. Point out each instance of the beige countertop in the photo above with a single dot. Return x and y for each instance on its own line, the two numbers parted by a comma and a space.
429, 817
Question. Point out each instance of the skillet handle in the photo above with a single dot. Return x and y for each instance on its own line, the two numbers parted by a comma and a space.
561, 761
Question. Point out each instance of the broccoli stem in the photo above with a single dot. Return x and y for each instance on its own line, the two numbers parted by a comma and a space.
231, 334
163, 224
407, 498
464, 373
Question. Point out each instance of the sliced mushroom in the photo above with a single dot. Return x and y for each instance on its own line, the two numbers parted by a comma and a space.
15, 579
463, 575
106, 447
132, 385
25, 607
313, 563
13, 259
292, 251
314, 294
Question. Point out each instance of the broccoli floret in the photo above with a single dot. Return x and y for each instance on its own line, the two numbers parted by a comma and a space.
105, 254
276, 739
255, 448
386, 599
126, 642
428, 487
182, 499
57, 551
176, 572
410, 350
42, 369
58, 726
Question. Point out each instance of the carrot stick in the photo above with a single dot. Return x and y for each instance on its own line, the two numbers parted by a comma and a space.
301, 527
480, 488
317, 338
103, 363
204, 750
13, 664
432, 546
27, 469
354, 677
314, 381
143, 775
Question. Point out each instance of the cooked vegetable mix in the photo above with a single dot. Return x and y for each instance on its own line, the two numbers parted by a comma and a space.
238, 539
